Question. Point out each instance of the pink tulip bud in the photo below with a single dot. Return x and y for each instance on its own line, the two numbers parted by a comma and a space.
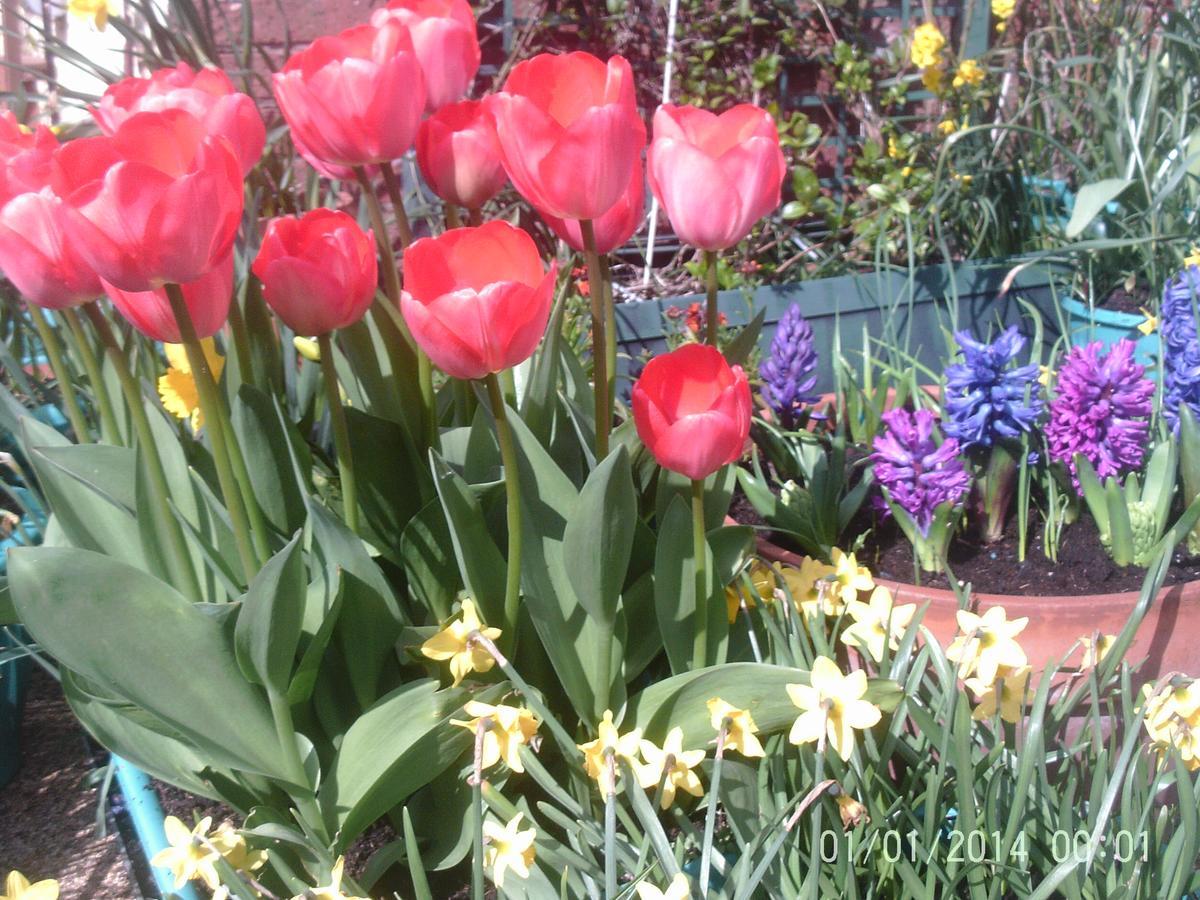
38, 257
444, 36
458, 154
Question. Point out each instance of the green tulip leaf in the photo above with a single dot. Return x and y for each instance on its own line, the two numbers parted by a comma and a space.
269, 624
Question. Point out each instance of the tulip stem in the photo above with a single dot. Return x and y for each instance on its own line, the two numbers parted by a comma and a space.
512, 490
452, 218
392, 287
392, 184
241, 341
341, 434
214, 423
712, 316
108, 421
179, 559
475, 216
61, 374
610, 333
599, 338
700, 554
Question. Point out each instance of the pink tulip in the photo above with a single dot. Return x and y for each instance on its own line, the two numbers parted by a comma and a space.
46, 267
458, 154
615, 227
24, 157
318, 271
715, 176
159, 201
476, 299
207, 94
354, 98
207, 300
692, 410
443, 33
569, 132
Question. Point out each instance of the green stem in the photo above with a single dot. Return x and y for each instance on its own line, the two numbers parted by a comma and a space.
214, 422
700, 552
55, 355
258, 525
712, 317
610, 333
453, 220
341, 434
610, 830
305, 799
599, 339
477, 886
392, 285
241, 340
179, 561
512, 492
475, 217
710, 817
108, 421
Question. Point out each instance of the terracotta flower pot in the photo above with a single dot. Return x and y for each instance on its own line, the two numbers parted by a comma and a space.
1168, 639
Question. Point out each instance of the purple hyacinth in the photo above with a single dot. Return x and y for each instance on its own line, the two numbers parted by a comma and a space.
1181, 348
789, 372
919, 475
987, 399
1102, 410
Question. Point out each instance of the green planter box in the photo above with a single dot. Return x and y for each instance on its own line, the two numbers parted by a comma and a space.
920, 315
14, 682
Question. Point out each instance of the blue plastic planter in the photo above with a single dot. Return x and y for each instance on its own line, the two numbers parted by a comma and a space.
14, 682
1086, 324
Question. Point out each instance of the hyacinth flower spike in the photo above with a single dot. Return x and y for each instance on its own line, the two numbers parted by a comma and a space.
990, 404
1178, 317
924, 482
789, 373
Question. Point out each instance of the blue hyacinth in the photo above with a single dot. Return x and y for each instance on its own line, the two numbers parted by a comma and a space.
1181, 351
789, 373
987, 398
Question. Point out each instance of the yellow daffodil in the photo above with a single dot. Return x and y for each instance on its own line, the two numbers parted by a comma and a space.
608, 743
832, 707
1095, 648
1171, 715
986, 643
17, 887
1006, 693
177, 388
1192, 259
307, 348
97, 11
969, 73
849, 578
1149, 324
763, 579
811, 587
1045, 375
671, 765
508, 848
877, 623
190, 856
927, 44
1003, 11
739, 726
934, 79
333, 890
455, 643
677, 890
232, 845
510, 728
851, 811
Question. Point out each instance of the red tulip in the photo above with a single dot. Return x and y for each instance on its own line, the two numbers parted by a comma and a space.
24, 157
207, 94
38, 258
692, 410
443, 33
715, 175
207, 300
458, 154
318, 271
354, 98
159, 201
569, 132
476, 299
615, 227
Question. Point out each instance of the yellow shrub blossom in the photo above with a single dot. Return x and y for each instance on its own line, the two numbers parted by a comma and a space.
969, 73
927, 44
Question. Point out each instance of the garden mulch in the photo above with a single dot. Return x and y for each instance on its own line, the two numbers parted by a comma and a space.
48, 813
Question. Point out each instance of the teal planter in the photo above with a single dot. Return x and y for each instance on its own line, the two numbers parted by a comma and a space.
1086, 324
14, 682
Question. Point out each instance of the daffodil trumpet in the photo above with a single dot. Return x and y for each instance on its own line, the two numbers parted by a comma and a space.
178, 558
341, 434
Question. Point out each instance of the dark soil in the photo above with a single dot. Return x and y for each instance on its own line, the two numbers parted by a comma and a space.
1083, 566
1121, 300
